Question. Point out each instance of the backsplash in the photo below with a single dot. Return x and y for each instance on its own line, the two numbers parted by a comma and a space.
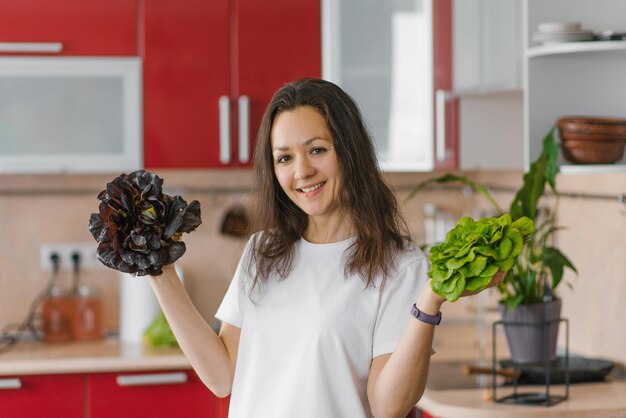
37, 209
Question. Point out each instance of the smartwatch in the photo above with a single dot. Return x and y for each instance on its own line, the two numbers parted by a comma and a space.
424, 317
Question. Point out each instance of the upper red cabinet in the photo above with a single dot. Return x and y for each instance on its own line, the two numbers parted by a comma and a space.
211, 67
69, 27
277, 41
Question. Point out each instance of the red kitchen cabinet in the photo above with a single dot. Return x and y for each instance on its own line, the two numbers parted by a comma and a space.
82, 27
42, 396
211, 67
151, 394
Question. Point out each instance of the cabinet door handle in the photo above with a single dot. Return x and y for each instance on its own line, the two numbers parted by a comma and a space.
12, 383
151, 379
244, 129
441, 98
50, 47
224, 129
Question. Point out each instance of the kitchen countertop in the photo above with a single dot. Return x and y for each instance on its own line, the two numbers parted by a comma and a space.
107, 355
587, 400
453, 342
458, 342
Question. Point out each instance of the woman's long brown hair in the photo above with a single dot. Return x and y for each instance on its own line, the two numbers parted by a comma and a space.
380, 229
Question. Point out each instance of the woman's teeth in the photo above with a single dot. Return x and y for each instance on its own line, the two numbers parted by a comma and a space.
312, 188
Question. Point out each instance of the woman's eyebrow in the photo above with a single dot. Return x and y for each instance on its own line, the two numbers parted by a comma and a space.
305, 143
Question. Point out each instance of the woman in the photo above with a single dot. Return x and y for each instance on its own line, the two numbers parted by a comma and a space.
324, 317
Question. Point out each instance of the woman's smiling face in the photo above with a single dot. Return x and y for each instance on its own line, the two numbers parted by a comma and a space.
305, 162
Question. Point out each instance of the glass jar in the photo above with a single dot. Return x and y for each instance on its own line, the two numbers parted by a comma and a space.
87, 317
57, 316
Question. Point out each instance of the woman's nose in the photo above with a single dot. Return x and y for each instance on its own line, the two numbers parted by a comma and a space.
303, 168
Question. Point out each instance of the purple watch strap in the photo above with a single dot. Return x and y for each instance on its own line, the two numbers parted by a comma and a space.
424, 317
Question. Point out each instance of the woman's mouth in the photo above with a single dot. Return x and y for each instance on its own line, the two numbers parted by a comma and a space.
311, 188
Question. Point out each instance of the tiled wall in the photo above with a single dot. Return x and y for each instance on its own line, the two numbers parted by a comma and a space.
49, 209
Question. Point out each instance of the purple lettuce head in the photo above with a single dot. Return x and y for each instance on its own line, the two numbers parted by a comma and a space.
138, 227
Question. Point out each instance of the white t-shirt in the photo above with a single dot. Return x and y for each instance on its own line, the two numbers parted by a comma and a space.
307, 341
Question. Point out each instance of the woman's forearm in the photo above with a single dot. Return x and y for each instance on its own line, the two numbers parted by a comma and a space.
203, 348
401, 382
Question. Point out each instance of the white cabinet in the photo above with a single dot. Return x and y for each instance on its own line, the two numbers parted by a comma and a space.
487, 45
487, 62
578, 78
437, 80
380, 52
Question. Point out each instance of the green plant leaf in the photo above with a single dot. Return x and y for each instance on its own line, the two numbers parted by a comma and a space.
516, 242
551, 149
543, 170
453, 178
556, 261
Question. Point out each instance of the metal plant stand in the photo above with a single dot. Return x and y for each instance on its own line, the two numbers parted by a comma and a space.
540, 398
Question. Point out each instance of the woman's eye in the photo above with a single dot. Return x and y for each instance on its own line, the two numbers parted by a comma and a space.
318, 150
282, 159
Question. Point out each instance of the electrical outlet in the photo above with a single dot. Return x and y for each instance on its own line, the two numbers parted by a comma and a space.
87, 251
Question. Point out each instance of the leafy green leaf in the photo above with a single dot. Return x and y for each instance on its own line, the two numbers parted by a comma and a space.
504, 249
159, 332
477, 283
476, 267
473, 253
524, 225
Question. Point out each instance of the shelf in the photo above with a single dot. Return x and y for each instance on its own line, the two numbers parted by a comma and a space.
575, 47
592, 168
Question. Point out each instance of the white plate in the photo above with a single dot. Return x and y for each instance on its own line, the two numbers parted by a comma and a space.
550, 27
563, 37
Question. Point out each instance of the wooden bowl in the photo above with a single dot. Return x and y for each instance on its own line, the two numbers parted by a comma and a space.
569, 136
593, 152
592, 125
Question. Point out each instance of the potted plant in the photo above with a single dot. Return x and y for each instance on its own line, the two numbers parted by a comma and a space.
528, 292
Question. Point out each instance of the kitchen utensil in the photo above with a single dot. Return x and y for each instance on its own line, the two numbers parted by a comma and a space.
581, 369
445, 375
235, 222
508, 373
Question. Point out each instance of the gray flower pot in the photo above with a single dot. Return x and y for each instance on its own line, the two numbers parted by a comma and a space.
528, 342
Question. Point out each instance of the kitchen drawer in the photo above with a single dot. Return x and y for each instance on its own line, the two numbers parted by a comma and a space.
162, 394
42, 396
